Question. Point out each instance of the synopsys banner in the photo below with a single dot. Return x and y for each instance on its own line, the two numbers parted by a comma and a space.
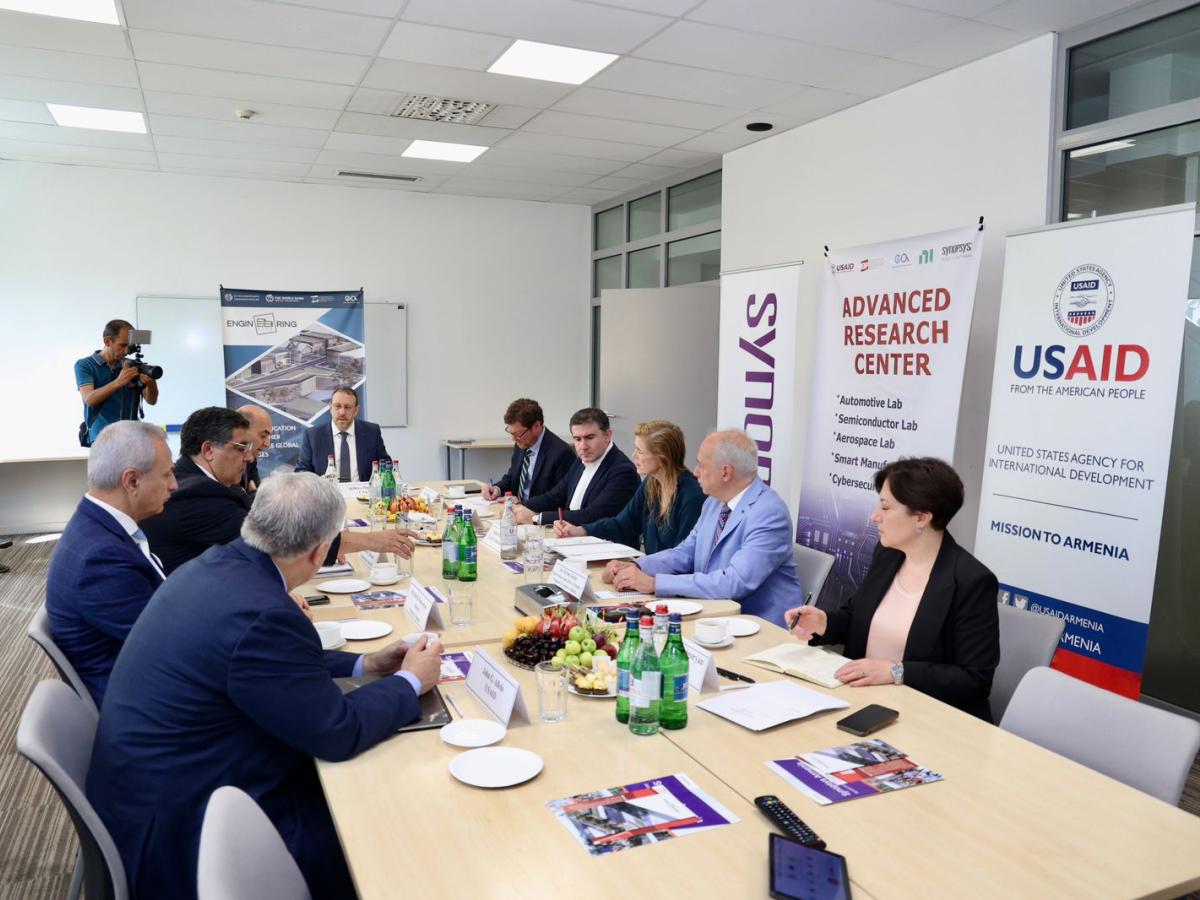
891, 345
286, 351
1079, 435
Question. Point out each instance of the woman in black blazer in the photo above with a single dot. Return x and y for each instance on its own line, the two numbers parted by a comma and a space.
925, 614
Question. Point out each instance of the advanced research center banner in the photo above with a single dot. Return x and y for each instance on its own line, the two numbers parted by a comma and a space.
1079, 436
891, 345
286, 351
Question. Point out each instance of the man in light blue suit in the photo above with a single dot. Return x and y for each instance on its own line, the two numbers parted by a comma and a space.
741, 547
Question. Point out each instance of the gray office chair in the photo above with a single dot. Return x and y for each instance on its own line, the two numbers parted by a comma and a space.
812, 568
56, 734
1027, 640
4, 545
242, 856
39, 632
1144, 747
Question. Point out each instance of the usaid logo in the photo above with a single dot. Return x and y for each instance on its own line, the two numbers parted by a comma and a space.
1083, 300
838, 268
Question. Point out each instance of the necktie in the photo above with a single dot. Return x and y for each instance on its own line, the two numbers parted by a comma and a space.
721, 520
344, 462
139, 538
523, 485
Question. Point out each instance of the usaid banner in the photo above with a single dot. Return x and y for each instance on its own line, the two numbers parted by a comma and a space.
286, 352
757, 365
1083, 401
891, 345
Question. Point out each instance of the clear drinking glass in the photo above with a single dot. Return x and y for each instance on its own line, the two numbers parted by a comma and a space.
552, 691
458, 598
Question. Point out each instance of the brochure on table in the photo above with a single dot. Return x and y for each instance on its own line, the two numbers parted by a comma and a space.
763, 706
455, 666
495, 688
634, 815
421, 606
378, 600
861, 769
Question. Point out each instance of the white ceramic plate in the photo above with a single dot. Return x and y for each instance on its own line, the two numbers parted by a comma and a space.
472, 732
741, 627
341, 642
728, 640
365, 629
495, 767
608, 696
345, 585
683, 607
384, 582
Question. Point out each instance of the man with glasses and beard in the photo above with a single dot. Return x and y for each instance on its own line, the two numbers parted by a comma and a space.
540, 458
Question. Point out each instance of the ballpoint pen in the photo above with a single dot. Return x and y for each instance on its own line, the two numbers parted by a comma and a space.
734, 676
450, 700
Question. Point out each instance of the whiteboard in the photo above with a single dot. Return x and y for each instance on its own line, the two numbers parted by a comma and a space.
187, 343
387, 363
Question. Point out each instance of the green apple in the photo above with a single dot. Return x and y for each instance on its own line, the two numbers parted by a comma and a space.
588, 645
600, 654
578, 633
585, 659
572, 648
572, 660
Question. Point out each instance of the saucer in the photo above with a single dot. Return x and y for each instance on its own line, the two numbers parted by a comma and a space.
727, 642
365, 629
741, 627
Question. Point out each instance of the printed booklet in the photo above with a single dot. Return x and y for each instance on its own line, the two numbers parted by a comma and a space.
377, 600
854, 770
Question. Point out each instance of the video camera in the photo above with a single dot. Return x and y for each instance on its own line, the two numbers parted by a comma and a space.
136, 340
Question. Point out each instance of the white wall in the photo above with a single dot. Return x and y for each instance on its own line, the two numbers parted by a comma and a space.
973, 141
497, 292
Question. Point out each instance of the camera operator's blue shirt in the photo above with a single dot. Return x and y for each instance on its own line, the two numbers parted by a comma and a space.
122, 404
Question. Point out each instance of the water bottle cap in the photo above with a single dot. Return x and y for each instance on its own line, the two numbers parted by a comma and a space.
647, 622
661, 609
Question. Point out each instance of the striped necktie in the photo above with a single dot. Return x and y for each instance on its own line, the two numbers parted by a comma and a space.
721, 520
523, 485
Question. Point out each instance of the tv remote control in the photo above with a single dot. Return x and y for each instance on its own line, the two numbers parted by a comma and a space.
787, 821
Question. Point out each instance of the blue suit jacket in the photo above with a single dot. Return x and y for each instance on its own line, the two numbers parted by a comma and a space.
98, 584
614, 483
751, 562
317, 444
554, 458
223, 681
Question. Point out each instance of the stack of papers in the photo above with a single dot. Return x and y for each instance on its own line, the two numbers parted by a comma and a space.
590, 549
763, 706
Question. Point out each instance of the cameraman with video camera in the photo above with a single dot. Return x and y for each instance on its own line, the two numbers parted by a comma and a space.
111, 385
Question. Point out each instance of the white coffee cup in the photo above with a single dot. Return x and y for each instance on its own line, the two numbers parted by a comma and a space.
330, 634
384, 573
411, 639
710, 631
456, 491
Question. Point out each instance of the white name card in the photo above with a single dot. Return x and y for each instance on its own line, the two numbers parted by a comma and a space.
495, 688
702, 670
492, 539
429, 495
571, 580
421, 607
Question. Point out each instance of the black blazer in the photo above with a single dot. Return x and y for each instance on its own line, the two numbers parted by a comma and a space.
609, 491
317, 444
953, 646
553, 460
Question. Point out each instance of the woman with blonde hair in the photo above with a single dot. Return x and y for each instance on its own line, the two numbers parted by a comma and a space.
663, 509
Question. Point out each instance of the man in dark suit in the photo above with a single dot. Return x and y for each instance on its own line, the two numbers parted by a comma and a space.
260, 431
598, 484
540, 458
210, 504
355, 443
102, 572
223, 681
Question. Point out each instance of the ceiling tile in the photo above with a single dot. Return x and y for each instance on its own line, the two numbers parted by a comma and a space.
443, 46
679, 159
617, 184
639, 108
585, 196
644, 76
237, 56
385, 8
483, 169
509, 116
392, 126
508, 190
743, 53
1039, 16
879, 76
370, 143
248, 174
647, 173
237, 149
86, 137
234, 130
963, 43
74, 153
609, 129
967, 9
222, 108
61, 66
462, 84
779, 120
810, 103
572, 146
228, 164
565, 22
716, 142
51, 33
247, 88
661, 7
390, 164
502, 156
13, 87
25, 111
260, 23
866, 26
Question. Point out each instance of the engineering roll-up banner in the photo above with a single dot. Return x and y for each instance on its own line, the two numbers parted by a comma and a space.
757, 364
286, 351
891, 345
1079, 436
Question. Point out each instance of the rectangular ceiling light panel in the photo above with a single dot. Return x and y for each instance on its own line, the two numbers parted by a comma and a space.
550, 62
441, 150
99, 119
102, 11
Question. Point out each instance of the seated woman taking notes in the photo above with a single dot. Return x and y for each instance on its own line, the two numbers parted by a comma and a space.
925, 614
666, 504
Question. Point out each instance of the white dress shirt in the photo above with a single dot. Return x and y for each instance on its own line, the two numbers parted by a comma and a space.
589, 472
131, 529
337, 451
737, 498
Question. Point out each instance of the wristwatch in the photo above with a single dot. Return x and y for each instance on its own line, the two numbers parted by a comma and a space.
537, 518
898, 673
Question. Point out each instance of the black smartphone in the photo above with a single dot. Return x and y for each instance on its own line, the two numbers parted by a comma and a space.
803, 873
316, 600
868, 719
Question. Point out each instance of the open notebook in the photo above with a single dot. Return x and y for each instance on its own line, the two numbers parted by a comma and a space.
801, 661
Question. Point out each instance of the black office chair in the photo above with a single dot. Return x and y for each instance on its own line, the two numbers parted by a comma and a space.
4, 545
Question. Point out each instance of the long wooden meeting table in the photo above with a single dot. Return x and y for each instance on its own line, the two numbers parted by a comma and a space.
1010, 819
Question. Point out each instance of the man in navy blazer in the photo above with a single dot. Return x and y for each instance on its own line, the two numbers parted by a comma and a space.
102, 572
362, 439
740, 548
598, 484
540, 458
223, 681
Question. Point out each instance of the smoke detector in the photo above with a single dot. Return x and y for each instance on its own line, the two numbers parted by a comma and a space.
442, 109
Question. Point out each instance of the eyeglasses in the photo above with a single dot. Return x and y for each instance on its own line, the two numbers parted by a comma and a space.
242, 447
517, 435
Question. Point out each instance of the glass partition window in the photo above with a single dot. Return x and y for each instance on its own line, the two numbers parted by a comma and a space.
606, 273
609, 228
694, 202
694, 259
645, 216
1145, 67
644, 267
